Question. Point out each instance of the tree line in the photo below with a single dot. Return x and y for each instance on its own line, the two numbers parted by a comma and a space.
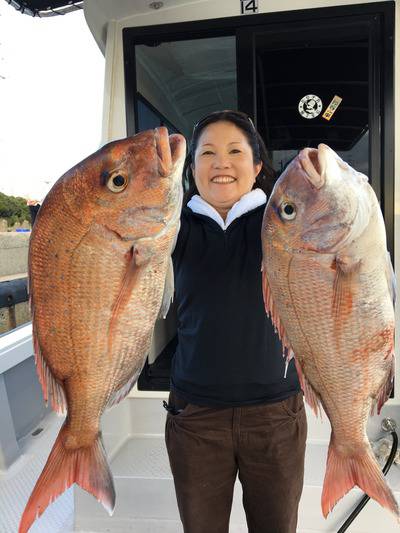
13, 209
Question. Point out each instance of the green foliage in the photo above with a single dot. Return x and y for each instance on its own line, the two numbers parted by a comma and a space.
13, 209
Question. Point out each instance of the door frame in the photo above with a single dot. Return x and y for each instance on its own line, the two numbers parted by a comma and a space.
378, 85
381, 96
380, 15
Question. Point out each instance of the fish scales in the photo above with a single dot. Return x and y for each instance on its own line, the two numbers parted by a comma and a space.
326, 356
327, 285
98, 261
49, 269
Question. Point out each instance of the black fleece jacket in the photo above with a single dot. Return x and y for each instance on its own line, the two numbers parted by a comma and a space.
228, 353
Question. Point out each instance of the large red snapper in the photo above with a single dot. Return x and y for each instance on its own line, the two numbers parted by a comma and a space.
328, 285
99, 275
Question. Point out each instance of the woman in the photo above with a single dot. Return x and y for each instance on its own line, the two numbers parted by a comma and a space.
233, 407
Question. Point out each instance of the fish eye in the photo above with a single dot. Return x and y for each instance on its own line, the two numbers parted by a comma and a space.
117, 182
287, 210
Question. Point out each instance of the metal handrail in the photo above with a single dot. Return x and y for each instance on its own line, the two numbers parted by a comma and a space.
13, 292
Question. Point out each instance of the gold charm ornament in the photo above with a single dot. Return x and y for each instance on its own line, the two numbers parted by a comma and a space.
332, 107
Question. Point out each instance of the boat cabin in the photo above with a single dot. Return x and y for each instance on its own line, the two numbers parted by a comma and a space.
306, 71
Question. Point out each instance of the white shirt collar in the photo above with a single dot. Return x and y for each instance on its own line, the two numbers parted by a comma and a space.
247, 202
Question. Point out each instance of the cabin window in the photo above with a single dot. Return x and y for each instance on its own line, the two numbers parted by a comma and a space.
314, 86
177, 83
182, 81
267, 65
148, 117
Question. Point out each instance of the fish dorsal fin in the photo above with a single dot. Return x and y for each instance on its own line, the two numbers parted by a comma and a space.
310, 395
272, 313
168, 295
51, 387
344, 286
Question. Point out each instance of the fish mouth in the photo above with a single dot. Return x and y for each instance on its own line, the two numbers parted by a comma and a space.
177, 144
170, 150
313, 162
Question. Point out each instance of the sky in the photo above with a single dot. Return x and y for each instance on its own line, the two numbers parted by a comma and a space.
51, 99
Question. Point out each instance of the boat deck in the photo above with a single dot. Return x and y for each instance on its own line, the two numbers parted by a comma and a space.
17, 483
145, 495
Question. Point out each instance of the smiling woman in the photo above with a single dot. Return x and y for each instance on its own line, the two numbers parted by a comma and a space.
228, 377
224, 168
225, 142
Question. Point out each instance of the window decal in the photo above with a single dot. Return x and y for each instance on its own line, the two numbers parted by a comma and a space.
310, 106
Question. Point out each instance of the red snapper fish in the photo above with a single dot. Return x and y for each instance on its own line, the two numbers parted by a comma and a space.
329, 287
100, 272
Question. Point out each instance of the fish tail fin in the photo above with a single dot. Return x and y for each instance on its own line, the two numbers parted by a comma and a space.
86, 466
344, 472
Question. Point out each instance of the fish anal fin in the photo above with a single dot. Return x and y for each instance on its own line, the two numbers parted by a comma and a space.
87, 466
310, 395
51, 387
344, 471
168, 290
123, 391
391, 278
344, 287
385, 390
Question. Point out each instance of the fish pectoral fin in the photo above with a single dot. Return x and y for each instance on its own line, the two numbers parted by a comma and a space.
51, 387
347, 264
344, 286
138, 256
311, 396
169, 288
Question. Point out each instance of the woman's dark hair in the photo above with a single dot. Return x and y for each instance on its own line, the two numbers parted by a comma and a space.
265, 179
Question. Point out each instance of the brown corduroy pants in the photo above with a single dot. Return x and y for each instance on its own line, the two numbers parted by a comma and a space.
264, 444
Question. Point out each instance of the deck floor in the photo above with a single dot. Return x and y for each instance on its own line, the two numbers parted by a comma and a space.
17, 482
140, 460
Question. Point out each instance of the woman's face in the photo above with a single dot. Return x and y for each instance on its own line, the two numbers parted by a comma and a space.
223, 165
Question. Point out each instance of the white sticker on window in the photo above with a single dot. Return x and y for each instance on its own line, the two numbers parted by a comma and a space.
310, 106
